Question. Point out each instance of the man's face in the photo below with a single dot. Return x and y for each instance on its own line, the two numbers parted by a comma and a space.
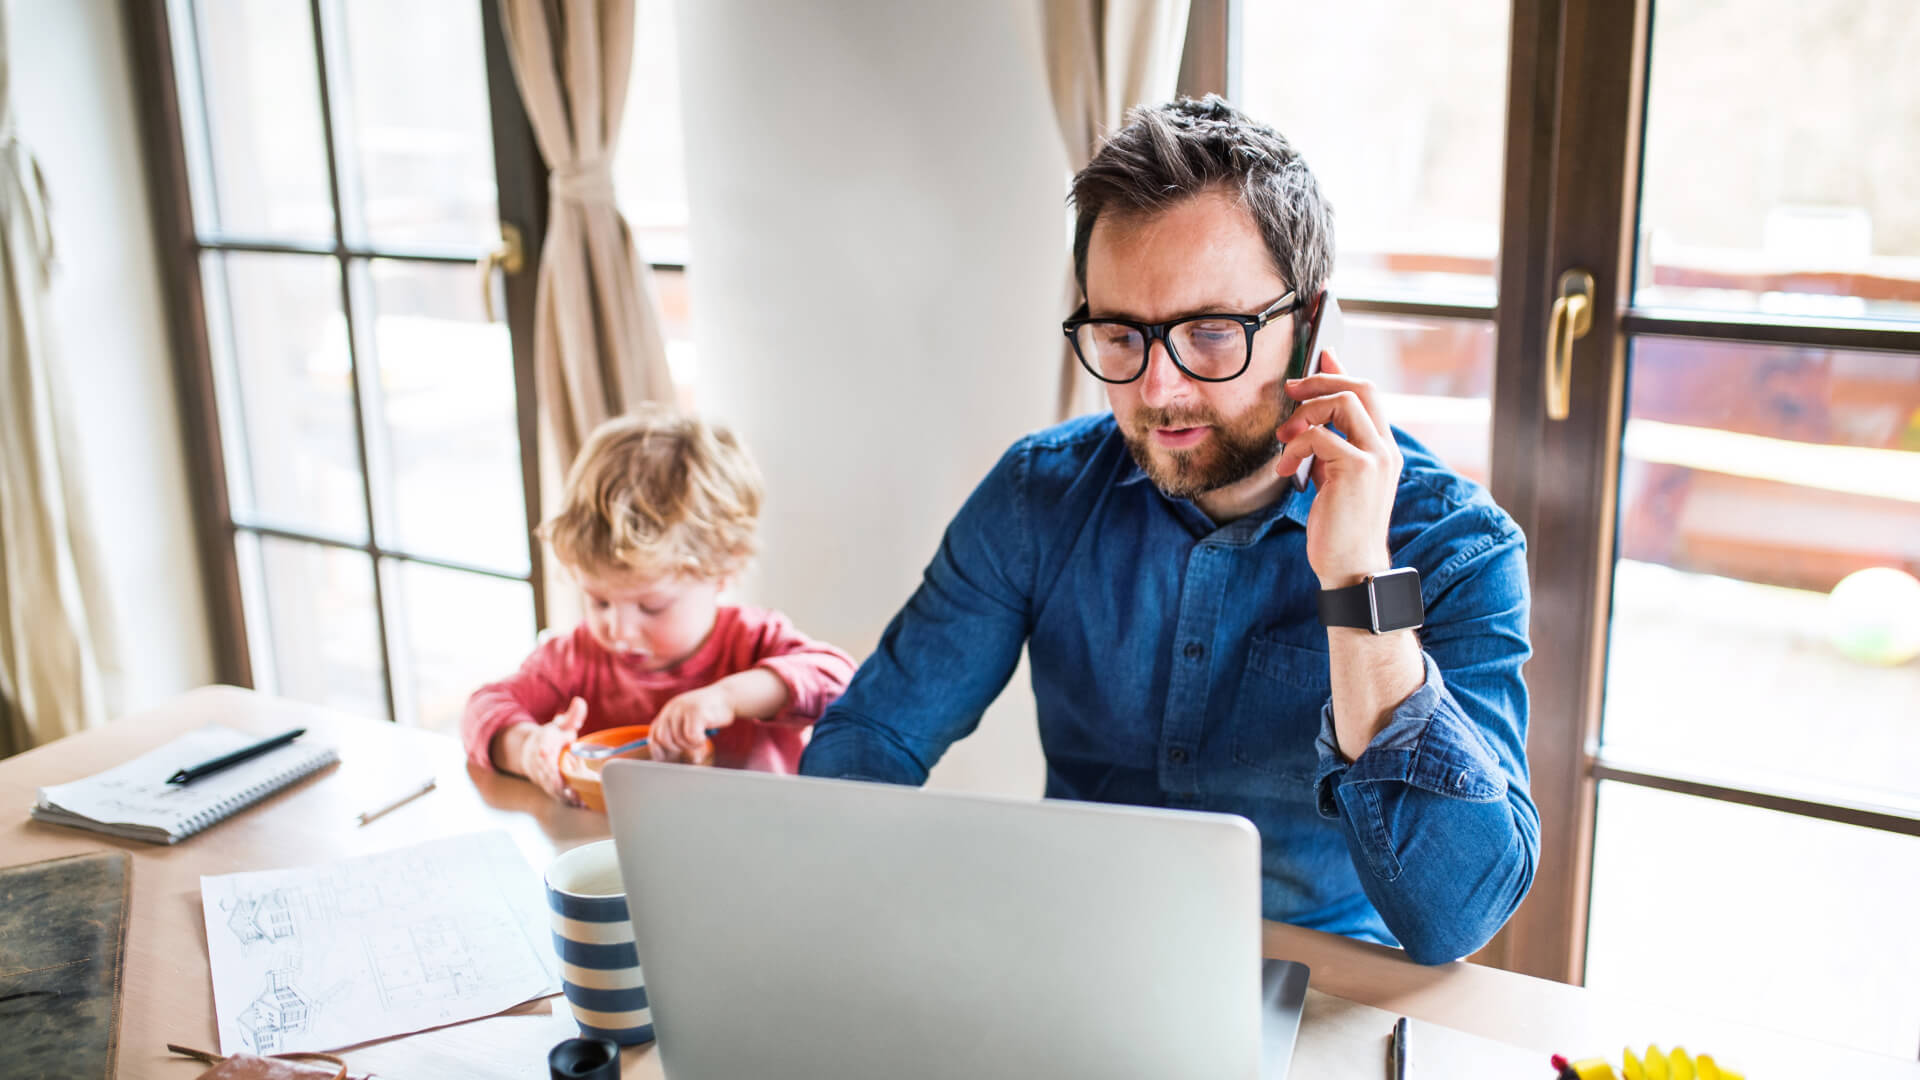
1201, 255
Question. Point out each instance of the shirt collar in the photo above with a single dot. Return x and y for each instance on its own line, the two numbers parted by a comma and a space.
1293, 506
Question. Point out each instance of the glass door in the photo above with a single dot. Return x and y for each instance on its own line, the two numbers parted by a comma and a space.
1652, 273
1722, 494
328, 174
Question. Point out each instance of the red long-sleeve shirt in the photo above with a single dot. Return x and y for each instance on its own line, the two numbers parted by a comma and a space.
618, 692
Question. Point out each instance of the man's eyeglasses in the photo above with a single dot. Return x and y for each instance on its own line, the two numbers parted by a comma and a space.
1210, 348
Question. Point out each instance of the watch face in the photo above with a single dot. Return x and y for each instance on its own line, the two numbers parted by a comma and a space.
1396, 600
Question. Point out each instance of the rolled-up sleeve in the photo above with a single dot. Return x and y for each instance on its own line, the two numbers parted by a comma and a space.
814, 672
1436, 810
531, 695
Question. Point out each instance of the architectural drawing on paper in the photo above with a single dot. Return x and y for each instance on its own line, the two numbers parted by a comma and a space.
285, 914
280, 1010
326, 956
256, 919
445, 958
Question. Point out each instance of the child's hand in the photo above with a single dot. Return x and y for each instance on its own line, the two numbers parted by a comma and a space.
540, 752
680, 728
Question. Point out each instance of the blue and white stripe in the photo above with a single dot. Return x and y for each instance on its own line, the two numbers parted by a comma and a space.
599, 967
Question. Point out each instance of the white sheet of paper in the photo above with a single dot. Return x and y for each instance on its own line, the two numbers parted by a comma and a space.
320, 957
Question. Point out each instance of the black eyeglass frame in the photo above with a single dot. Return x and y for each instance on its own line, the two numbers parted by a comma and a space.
1152, 332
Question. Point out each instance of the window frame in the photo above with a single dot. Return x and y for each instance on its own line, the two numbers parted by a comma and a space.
1574, 139
181, 243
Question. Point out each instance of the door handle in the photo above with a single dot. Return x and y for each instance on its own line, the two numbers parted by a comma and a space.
509, 256
1572, 317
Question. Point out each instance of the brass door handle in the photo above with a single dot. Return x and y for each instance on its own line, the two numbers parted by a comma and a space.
1572, 317
509, 256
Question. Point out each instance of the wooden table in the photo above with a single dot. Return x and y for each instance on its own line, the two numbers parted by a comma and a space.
168, 992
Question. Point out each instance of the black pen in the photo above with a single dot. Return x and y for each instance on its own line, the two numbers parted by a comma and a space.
1400, 1049
207, 768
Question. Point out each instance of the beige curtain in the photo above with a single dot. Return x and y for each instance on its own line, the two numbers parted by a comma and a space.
50, 592
1103, 58
599, 349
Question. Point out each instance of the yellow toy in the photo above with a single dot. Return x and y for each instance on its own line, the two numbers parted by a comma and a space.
1654, 1066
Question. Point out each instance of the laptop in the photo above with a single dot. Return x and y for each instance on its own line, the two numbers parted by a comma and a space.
801, 928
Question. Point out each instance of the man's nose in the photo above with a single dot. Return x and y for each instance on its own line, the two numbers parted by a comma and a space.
1164, 382
626, 623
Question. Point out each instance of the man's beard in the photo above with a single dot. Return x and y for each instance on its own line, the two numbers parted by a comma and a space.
1230, 453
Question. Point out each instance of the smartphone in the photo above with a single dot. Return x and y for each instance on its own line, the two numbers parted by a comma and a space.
1323, 327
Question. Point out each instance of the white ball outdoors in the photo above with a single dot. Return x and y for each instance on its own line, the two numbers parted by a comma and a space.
1873, 616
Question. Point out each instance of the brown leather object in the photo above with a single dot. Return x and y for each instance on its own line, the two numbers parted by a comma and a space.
63, 934
277, 1067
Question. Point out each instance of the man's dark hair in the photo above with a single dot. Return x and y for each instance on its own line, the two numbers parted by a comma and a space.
1166, 153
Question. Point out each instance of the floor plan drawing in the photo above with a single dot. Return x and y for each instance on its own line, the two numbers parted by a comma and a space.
432, 934
441, 959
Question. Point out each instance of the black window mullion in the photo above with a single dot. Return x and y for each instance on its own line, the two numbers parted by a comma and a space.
1884, 335
265, 246
305, 536
377, 453
1423, 309
332, 137
1826, 805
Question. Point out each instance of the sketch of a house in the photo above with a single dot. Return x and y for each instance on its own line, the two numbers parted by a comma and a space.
261, 918
280, 1010
376, 945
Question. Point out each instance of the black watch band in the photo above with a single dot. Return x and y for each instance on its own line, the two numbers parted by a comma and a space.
1383, 603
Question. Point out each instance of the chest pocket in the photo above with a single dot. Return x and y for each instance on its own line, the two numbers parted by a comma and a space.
1277, 716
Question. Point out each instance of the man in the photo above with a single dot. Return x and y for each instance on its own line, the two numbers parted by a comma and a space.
1168, 580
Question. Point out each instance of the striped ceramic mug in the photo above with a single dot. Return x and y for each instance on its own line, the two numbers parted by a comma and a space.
599, 968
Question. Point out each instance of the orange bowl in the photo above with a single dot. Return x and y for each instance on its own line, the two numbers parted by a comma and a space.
584, 776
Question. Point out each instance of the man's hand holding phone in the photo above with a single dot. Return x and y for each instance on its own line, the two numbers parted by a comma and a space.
1339, 423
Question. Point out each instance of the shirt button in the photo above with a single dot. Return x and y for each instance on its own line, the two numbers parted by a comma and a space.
1177, 755
1195, 650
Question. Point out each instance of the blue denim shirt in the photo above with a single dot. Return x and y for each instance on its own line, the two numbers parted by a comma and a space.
1180, 663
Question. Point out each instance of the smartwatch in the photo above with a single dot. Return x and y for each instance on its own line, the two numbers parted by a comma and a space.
1383, 603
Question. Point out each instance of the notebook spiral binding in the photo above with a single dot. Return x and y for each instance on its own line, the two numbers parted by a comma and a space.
240, 800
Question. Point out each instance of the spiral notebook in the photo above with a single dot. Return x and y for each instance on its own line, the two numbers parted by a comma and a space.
134, 799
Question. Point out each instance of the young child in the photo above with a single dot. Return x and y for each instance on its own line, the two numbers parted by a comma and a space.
659, 517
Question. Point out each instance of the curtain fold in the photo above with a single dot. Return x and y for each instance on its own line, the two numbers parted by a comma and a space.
1103, 58
52, 602
599, 349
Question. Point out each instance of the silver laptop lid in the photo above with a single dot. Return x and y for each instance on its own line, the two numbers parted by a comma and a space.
802, 928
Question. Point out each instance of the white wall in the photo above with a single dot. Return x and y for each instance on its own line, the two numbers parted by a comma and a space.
74, 101
877, 251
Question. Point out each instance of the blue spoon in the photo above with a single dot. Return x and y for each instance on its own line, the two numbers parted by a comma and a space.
586, 751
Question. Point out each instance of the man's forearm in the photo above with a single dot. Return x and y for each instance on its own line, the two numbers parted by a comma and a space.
1441, 827
1372, 675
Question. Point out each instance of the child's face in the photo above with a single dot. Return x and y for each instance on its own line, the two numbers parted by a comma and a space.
655, 621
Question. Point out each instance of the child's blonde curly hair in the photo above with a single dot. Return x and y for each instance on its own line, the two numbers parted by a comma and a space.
656, 493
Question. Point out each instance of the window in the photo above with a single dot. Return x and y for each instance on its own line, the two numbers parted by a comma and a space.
1724, 525
338, 158
1756, 479
1398, 108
